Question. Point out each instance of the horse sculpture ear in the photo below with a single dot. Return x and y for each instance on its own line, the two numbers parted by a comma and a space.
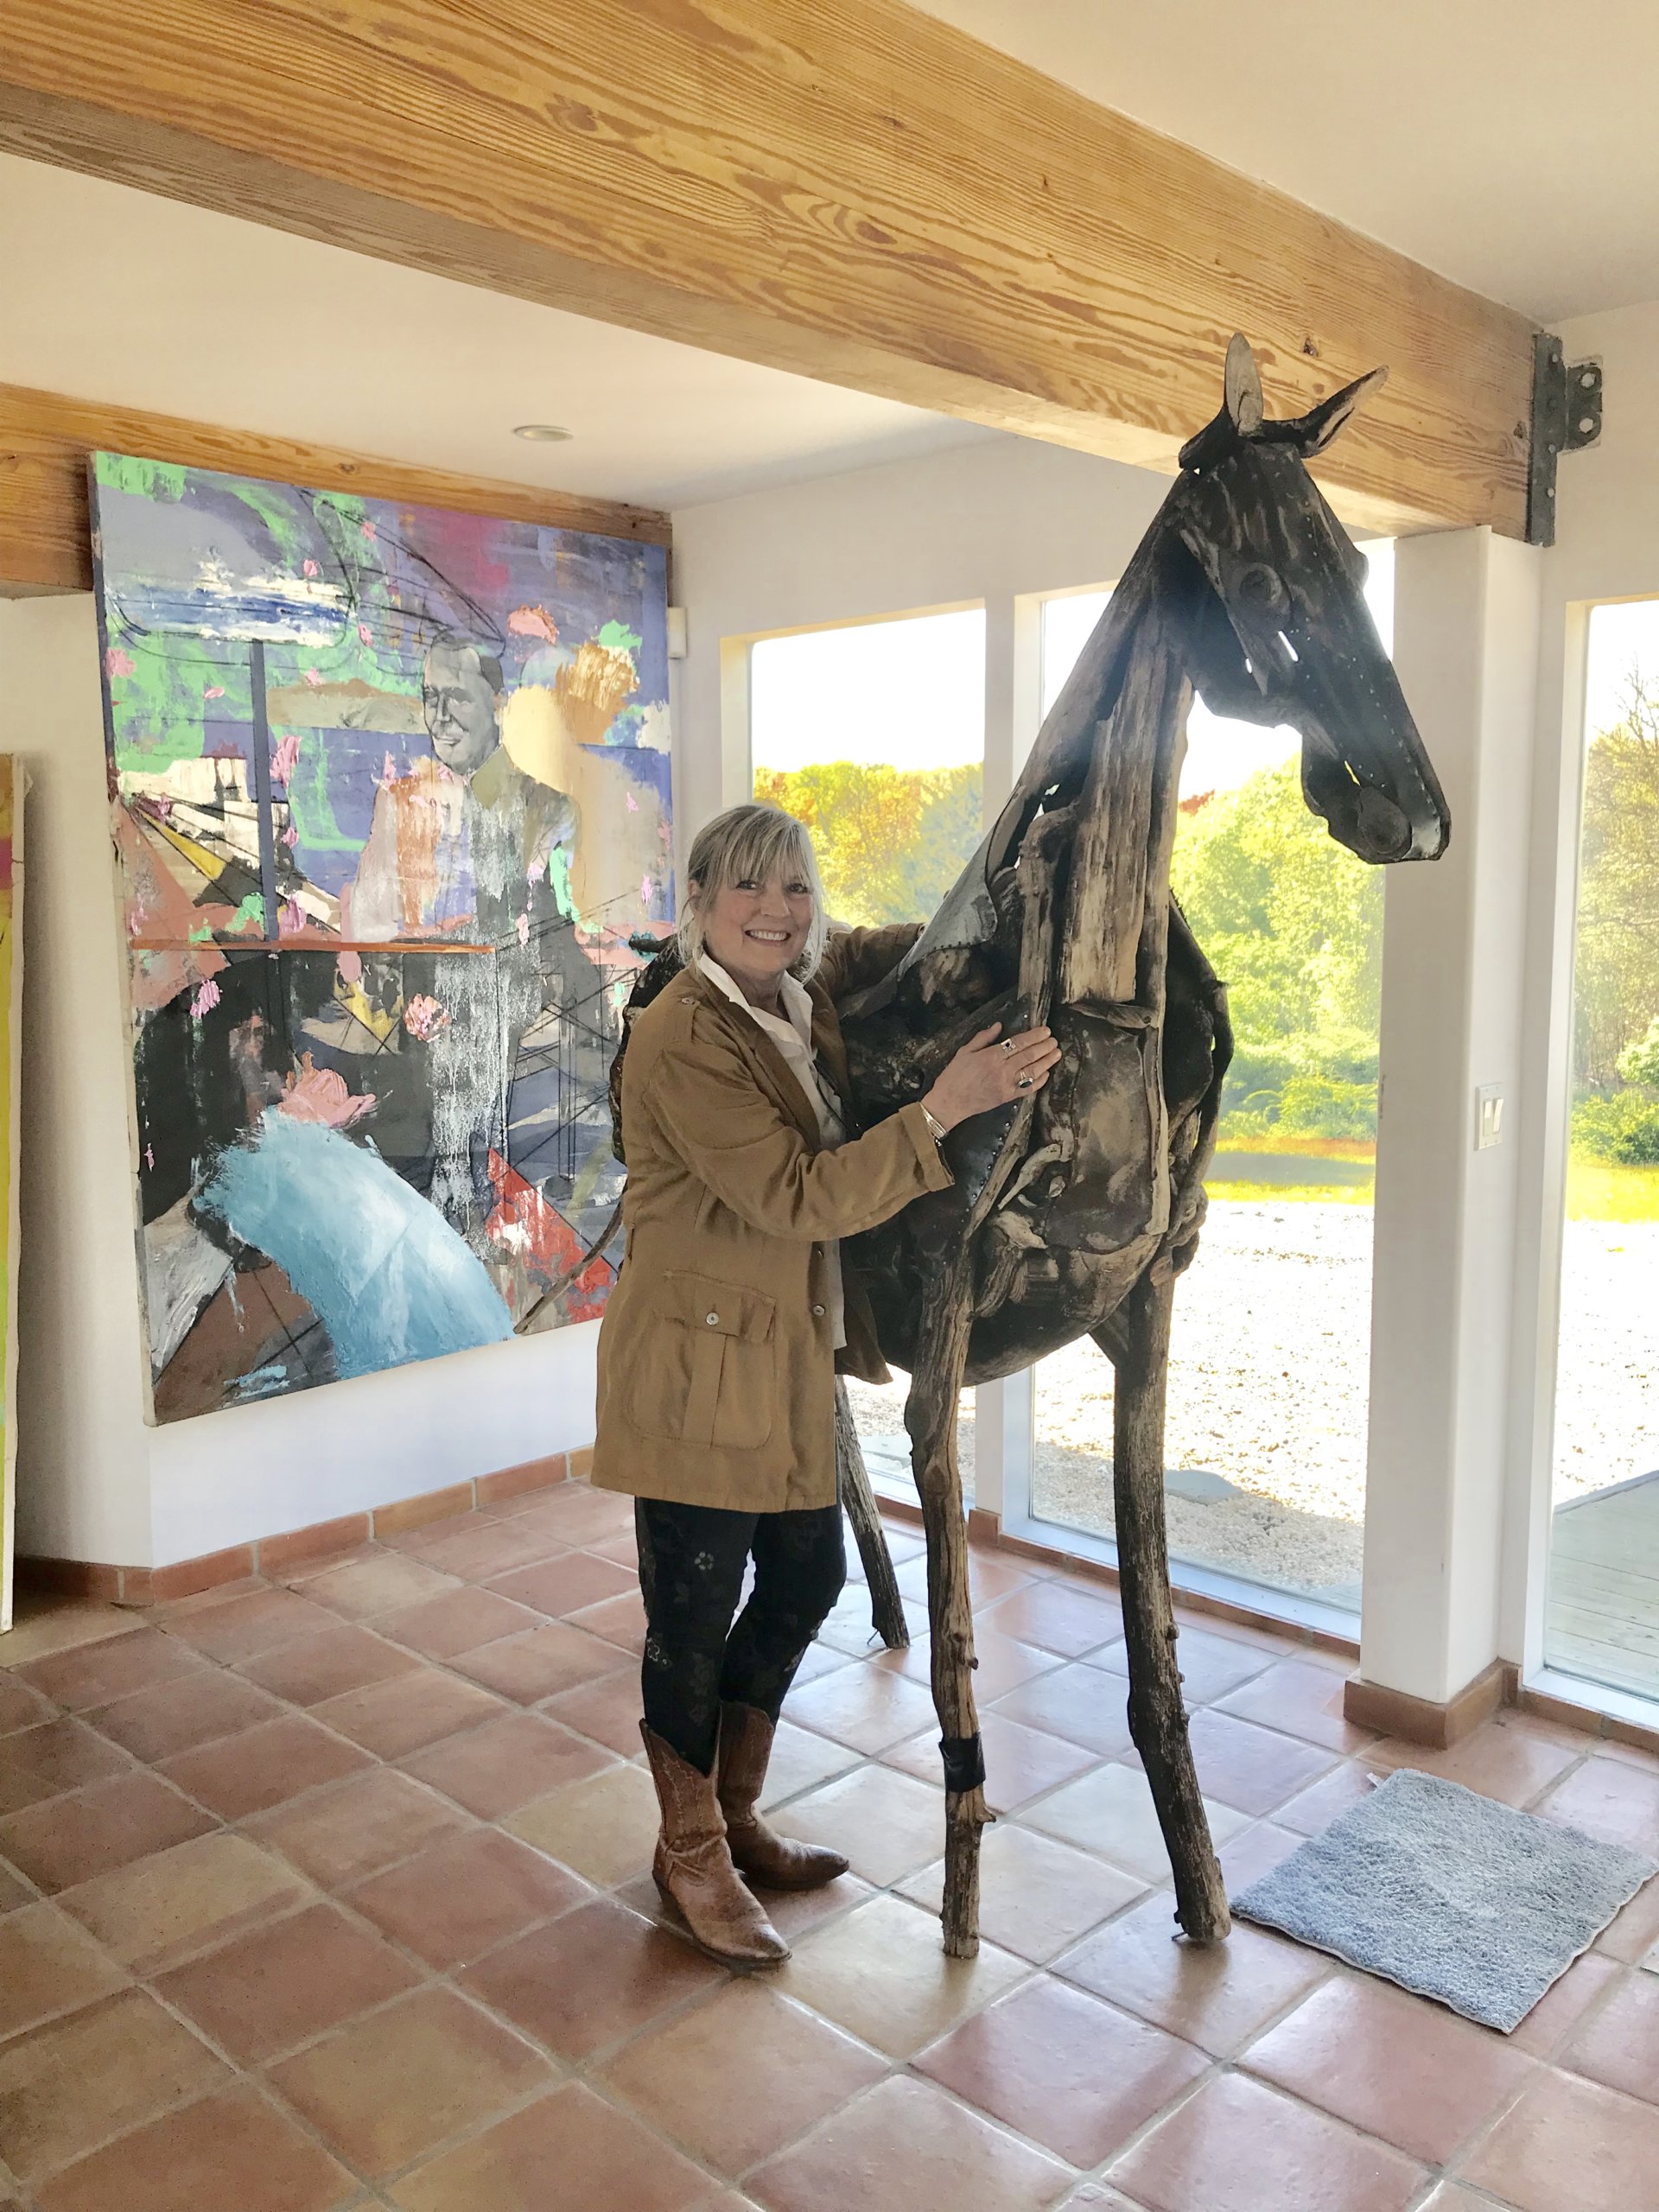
1312, 432
1243, 387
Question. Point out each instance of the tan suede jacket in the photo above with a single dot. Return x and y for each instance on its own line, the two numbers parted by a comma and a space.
716, 1364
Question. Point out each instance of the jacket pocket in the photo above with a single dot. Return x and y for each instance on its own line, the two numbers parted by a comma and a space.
706, 1372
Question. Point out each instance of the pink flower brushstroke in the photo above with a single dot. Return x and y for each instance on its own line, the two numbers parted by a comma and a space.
290, 836
423, 1017
214, 691
309, 569
116, 663
313, 679
633, 804
532, 622
522, 927
350, 965
286, 759
206, 1000
320, 1095
289, 919
365, 636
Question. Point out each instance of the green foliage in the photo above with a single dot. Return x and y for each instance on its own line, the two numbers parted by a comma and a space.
1616, 985
1623, 1130
1639, 1063
1293, 923
1255, 1078
1315, 1106
890, 842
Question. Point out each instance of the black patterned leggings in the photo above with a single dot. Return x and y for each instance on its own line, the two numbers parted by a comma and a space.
692, 1559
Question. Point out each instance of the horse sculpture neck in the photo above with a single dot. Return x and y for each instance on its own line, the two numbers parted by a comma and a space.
1064, 917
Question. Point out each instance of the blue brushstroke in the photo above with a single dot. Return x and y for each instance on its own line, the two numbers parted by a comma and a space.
383, 1271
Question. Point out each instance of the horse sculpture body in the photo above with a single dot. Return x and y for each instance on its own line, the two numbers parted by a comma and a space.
1071, 1214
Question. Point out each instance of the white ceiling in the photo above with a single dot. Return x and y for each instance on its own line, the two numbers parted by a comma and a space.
112, 294
1509, 143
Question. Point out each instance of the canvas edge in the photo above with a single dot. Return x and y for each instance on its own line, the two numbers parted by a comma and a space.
123, 952
12, 1074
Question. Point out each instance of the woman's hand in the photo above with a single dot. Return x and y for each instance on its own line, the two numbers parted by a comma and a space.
991, 1071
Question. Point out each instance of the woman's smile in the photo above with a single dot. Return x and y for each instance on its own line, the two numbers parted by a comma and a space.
756, 931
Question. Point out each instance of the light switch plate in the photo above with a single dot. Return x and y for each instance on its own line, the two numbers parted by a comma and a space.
1488, 1117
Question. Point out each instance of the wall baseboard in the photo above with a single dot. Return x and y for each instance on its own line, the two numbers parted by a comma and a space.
1420, 1719
275, 1555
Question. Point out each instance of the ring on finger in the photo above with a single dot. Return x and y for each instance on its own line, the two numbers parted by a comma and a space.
1022, 1082
1008, 1043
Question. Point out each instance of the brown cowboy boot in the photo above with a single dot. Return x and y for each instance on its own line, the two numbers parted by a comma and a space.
775, 1861
693, 1867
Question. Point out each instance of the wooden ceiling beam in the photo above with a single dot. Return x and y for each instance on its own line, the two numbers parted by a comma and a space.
45, 537
846, 188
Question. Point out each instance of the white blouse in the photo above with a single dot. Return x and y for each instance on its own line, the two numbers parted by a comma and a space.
793, 1038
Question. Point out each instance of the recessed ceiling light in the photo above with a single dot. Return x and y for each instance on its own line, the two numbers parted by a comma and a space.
546, 434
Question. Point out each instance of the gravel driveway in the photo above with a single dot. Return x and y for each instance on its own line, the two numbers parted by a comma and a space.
1268, 1390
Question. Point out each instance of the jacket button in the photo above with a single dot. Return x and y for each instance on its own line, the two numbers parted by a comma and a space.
713, 1319
818, 1313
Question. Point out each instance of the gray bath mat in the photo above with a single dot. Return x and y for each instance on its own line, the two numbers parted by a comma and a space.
1450, 1895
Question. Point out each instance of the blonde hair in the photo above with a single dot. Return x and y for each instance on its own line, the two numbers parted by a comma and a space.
751, 842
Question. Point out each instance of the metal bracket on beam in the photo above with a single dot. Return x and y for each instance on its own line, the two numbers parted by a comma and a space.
1566, 414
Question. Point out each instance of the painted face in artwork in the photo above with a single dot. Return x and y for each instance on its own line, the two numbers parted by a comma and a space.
462, 705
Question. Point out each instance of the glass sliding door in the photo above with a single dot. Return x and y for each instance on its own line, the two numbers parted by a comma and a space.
1602, 1619
1269, 1383
873, 735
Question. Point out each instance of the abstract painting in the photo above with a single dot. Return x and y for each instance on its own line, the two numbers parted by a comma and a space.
12, 782
391, 792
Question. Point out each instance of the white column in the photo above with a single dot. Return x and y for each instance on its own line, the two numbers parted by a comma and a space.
1466, 616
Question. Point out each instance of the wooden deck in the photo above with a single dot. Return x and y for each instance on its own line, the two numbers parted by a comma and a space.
1603, 1617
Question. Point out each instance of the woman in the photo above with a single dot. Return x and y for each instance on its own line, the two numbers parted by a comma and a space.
730, 1316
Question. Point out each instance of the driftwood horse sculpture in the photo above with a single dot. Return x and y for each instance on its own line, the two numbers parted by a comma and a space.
1072, 1213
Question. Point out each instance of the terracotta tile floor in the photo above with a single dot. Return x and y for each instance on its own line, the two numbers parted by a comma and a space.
334, 1894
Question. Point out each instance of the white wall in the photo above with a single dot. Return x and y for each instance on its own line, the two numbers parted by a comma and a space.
93, 1482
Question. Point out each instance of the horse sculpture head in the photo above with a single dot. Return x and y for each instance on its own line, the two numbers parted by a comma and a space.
1283, 634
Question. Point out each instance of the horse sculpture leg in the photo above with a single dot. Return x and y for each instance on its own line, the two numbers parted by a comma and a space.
887, 1606
1137, 1343
930, 1417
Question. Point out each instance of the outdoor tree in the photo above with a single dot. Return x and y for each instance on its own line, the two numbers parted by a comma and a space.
1617, 980
890, 842
1293, 925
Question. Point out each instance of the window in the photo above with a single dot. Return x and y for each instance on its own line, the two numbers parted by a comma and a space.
874, 736
1268, 1395
1602, 1619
